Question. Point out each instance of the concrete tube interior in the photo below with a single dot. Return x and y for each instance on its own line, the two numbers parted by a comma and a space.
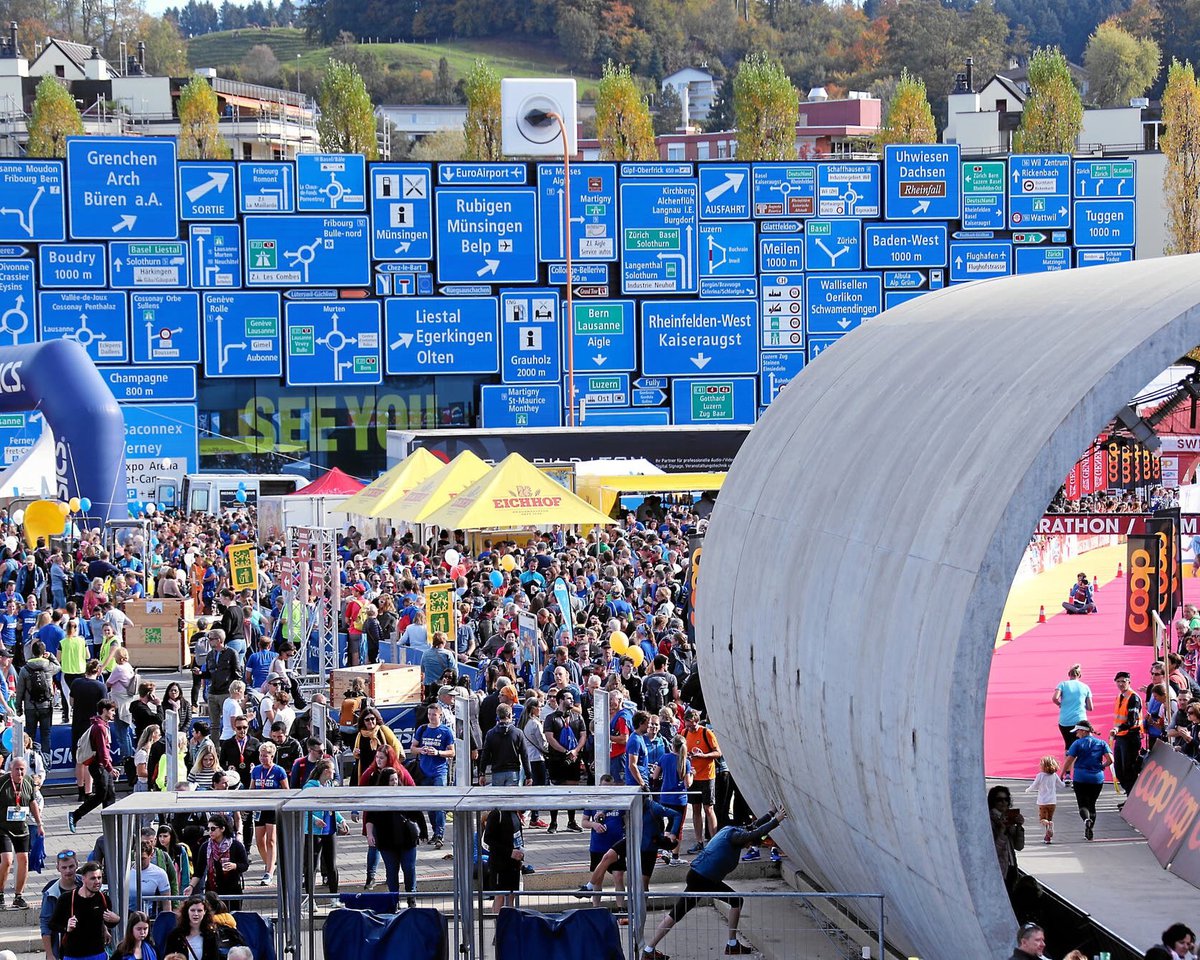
858, 560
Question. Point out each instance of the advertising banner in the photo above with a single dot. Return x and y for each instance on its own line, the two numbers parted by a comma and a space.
1143, 587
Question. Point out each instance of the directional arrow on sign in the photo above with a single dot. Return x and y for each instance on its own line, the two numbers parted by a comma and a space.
489, 266
404, 340
700, 360
117, 263
403, 247
732, 181
921, 207
599, 359
125, 223
844, 322
216, 181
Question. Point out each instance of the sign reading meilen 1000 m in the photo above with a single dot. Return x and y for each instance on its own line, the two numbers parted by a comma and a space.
700, 290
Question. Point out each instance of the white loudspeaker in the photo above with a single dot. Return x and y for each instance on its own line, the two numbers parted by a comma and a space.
527, 124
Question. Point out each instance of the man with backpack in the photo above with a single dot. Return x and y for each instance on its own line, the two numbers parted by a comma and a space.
35, 695
503, 751
659, 688
94, 752
566, 737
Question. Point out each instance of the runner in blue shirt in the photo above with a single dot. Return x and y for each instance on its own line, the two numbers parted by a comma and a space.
28, 617
433, 742
606, 828
267, 775
637, 753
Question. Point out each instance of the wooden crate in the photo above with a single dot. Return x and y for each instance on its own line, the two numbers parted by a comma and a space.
155, 639
385, 683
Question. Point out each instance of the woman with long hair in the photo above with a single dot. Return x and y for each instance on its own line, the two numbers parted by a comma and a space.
195, 934
385, 759
173, 699
676, 773
320, 830
179, 854
137, 944
206, 766
393, 835
221, 863
141, 757
373, 733
533, 741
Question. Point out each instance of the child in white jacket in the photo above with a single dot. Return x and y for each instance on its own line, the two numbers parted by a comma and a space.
1046, 783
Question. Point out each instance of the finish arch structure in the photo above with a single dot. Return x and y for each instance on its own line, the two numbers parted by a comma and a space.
60, 380
858, 560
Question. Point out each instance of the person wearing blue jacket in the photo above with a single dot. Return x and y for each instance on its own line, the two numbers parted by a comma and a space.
654, 838
707, 876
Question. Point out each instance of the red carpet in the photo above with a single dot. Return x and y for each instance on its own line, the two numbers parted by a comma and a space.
1021, 723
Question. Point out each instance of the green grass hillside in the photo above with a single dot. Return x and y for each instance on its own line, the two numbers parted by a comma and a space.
509, 57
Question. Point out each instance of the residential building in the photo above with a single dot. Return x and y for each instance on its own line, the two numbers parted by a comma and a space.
258, 122
696, 89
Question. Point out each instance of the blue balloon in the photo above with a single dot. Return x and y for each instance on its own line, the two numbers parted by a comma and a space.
85, 504
496, 577
241, 496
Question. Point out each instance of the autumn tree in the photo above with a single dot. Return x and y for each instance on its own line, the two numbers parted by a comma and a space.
481, 129
199, 123
1120, 65
909, 117
623, 123
443, 145
1181, 147
1053, 112
766, 108
347, 122
55, 117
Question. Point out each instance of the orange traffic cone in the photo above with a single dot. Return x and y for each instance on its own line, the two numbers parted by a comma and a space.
1007, 631
1120, 572
1041, 614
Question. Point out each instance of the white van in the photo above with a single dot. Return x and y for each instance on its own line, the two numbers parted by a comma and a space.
214, 492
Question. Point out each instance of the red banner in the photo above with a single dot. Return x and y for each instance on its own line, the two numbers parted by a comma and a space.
1143, 589
1164, 807
1083, 469
1071, 485
1099, 469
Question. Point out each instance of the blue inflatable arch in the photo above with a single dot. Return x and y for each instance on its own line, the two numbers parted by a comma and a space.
58, 379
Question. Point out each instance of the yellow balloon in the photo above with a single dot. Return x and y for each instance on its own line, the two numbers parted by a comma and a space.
73, 503
619, 642
637, 655
507, 562
44, 518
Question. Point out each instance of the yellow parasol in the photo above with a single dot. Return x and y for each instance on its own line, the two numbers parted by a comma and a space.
436, 490
408, 473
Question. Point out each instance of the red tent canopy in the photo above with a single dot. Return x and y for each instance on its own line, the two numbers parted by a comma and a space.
335, 481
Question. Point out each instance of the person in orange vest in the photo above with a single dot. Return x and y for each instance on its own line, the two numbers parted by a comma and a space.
1126, 733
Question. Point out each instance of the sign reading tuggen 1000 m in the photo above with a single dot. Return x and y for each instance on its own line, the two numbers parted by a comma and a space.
700, 290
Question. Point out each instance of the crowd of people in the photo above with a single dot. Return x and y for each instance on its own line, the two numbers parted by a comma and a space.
615, 631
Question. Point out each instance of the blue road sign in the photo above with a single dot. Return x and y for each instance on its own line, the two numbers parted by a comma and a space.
980, 261
1039, 191
207, 190
731, 288
513, 406
486, 236
18, 433
984, 185
642, 417
713, 400
1105, 178
593, 203
16, 303
848, 189
651, 383
903, 279
833, 245
604, 335
266, 187
31, 200
906, 245
401, 212
432, 335
161, 439
840, 302
333, 344
818, 345
648, 397
658, 236
726, 249
580, 273
923, 181
165, 327
150, 384
653, 168
242, 335
601, 390
1097, 258
711, 337
781, 253
122, 188
333, 182
1105, 223
97, 321
308, 251
724, 192
73, 265
1042, 259
529, 337
893, 298
483, 174
148, 263
216, 255
783, 312
784, 189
